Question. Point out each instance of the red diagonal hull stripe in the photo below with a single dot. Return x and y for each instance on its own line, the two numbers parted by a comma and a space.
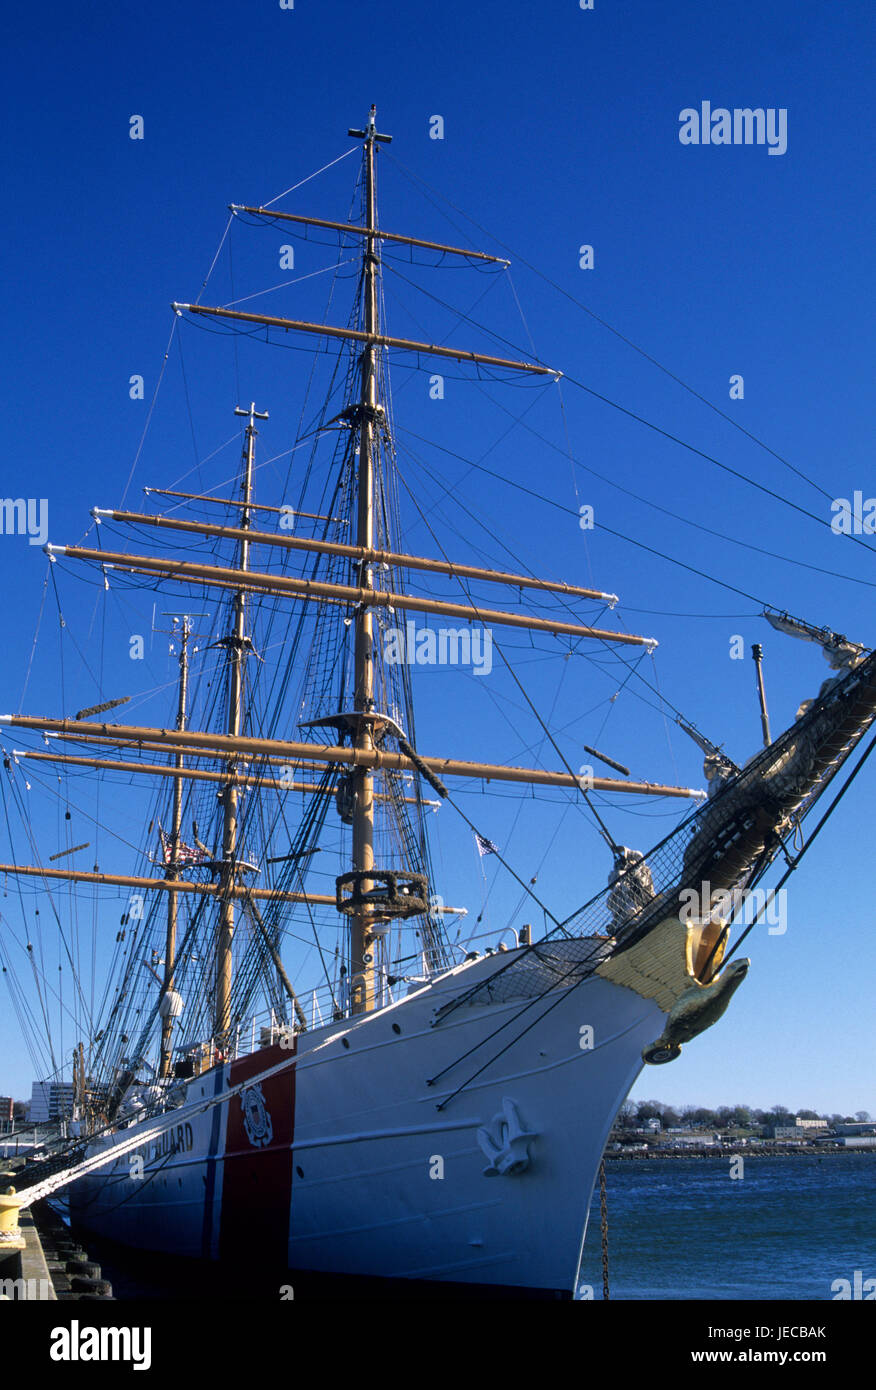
257, 1177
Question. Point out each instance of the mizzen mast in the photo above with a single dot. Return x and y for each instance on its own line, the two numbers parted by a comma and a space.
169, 999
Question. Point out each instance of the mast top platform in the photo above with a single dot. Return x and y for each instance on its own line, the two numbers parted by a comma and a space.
370, 131
252, 413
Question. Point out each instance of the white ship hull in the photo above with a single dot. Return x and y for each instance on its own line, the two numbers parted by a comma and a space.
343, 1163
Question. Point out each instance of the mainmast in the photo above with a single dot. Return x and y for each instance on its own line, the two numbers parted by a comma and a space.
370, 414
169, 1000
236, 644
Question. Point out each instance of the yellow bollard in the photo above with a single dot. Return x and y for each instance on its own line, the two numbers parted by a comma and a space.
10, 1205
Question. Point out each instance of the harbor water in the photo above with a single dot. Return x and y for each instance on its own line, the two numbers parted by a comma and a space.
783, 1228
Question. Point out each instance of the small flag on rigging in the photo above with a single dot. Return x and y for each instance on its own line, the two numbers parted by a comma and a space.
484, 845
184, 854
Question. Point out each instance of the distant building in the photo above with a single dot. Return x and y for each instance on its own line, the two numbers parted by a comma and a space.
50, 1100
6, 1114
859, 1127
800, 1129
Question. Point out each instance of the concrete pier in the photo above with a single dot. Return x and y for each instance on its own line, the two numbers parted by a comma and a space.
24, 1272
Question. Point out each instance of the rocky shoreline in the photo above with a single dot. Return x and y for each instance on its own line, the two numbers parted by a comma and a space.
735, 1151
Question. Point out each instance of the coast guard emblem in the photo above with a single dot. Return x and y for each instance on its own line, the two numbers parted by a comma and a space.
256, 1120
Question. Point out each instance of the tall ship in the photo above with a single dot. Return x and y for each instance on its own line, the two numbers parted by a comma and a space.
306, 1050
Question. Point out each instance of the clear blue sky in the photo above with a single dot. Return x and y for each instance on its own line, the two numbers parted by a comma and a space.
561, 128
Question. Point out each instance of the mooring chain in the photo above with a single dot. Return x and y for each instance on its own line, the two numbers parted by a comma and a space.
603, 1210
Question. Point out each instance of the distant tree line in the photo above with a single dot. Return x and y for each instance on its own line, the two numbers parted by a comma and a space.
634, 1114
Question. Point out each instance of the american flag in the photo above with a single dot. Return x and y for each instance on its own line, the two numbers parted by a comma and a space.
184, 854
484, 845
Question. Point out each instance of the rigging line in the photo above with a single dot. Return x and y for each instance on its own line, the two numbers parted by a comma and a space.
526, 327
311, 825
710, 458
23, 1012
216, 257
35, 636
61, 625
188, 401
612, 699
231, 480
566, 803
24, 919
665, 719
526, 749
455, 1003
285, 283
459, 314
564, 604
621, 535
39, 975
314, 175
525, 886
232, 439
27, 949
593, 661
600, 822
821, 521
658, 429
571, 460
452, 490
787, 874
588, 975
151, 409
566, 807
136, 1190
442, 1105
628, 341
50, 790
148, 1130
671, 834
237, 396
676, 516
602, 826
466, 316
672, 613
329, 299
